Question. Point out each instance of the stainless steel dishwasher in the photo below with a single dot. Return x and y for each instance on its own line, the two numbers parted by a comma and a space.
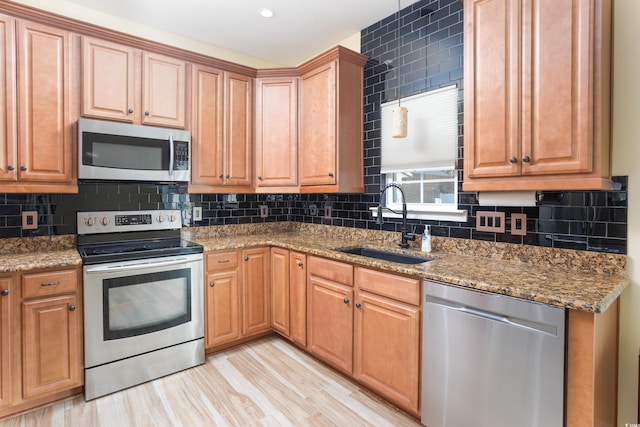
490, 360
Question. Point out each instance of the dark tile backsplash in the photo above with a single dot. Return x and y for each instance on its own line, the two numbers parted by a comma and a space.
428, 55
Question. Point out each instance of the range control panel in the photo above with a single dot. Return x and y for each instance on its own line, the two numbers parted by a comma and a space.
119, 221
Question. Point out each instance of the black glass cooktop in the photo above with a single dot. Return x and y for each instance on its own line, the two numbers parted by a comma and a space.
101, 252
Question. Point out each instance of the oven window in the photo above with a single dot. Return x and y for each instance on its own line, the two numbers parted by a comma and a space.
144, 303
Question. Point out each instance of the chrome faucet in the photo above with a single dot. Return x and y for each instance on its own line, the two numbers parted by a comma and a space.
406, 236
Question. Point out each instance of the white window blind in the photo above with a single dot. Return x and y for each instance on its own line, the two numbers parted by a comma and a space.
432, 132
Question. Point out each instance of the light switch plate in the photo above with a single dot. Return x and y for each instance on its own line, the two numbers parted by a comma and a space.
197, 213
490, 221
264, 211
29, 220
313, 210
327, 212
519, 224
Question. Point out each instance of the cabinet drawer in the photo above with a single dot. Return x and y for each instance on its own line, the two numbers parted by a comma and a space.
49, 283
400, 288
222, 260
332, 270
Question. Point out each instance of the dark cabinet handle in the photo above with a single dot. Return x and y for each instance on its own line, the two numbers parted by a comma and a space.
513, 160
4, 292
211, 284
526, 159
259, 178
56, 283
23, 168
246, 258
146, 113
72, 308
331, 174
228, 176
130, 110
346, 300
358, 305
300, 264
10, 167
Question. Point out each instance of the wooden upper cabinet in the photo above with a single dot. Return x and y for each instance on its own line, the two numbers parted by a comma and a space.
163, 90
331, 122
206, 129
108, 80
45, 145
221, 131
125, 84
8, 134
276, 132
537, 95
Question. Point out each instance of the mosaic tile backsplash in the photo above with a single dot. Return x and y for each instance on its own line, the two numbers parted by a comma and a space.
425, 41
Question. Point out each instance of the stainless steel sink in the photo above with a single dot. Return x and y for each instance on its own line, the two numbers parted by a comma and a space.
387, 256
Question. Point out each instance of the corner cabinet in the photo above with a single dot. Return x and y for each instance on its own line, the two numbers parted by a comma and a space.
38, 70
125, 84
537, 95
331, 122
221, 131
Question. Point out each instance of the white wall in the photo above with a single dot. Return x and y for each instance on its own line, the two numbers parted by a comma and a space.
626, 161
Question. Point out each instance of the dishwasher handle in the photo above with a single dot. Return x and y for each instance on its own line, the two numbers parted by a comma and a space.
518, 323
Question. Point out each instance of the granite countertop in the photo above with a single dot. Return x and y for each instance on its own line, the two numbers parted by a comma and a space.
555, 285
580, 280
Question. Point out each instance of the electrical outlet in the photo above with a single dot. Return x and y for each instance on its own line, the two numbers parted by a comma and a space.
519, 224
264, 211
327, 212
490, 221
29, 220
197, 213
313, 210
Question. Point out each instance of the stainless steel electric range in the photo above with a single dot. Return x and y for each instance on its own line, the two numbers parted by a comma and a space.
143, 298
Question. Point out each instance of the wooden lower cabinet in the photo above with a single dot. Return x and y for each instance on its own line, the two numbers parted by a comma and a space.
280, 292
41, 342
298, 297
256, 302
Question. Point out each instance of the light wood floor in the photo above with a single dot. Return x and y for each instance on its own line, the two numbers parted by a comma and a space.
264, 383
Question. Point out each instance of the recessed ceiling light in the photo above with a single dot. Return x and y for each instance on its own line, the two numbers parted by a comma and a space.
266, 13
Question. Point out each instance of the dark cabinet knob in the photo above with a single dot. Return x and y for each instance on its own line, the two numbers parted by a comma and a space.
130, 110
358, 305
246, 258
260, 178
10, 167
228, 176
211, 284
23, 168
146, 113
220, 176
300, 264
513, 160
346, 300
4, 292
331, 174
72, 308
526, 159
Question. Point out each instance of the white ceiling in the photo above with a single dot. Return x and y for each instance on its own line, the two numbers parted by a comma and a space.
299, 30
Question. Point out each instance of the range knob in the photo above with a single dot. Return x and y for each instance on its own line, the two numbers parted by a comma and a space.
89, 221
104, 220
172, 218
160, 218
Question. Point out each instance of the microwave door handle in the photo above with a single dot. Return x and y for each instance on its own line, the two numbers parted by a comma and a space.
171, 155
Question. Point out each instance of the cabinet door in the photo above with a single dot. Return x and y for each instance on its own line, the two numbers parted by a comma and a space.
277, 132
44, 122
298, 297
280, 295
387, 348
8, 136
492, 88
222, 308
330, 322
108, 80
51, 349
238, 129
163, 90
318, 126
206, 131
558, 87
6, 367
255, 291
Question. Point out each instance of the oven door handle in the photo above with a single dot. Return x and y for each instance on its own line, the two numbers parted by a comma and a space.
171, 154
146, 264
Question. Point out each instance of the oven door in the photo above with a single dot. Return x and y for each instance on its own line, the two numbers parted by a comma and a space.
134, 307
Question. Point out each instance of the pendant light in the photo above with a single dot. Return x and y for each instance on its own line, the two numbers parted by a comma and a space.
399, 117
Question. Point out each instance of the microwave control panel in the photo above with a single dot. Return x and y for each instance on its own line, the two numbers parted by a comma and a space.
181, 155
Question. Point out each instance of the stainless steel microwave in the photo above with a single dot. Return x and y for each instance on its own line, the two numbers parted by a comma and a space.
120, 151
